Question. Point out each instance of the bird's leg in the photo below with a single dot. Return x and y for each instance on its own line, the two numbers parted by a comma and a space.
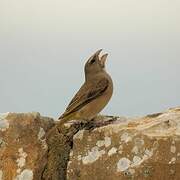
90, 125
80, 123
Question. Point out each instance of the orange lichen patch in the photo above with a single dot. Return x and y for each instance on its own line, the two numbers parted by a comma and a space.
9, 169
21, 150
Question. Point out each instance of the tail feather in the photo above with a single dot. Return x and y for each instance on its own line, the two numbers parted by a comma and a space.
62, 121
65, 118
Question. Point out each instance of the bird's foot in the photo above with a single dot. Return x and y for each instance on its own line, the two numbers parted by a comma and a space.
90, 125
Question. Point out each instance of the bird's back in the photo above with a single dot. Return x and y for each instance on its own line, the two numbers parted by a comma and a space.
90, 99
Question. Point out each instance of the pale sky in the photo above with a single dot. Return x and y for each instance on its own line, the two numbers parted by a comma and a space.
45, 44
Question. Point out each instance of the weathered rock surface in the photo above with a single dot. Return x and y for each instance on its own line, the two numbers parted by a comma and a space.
33, 147
139, 148
23, 147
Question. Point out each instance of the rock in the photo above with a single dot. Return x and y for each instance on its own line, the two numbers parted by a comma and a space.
23, 147
33, 147
138, 148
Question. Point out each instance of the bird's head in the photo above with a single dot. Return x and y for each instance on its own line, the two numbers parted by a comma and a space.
95, 63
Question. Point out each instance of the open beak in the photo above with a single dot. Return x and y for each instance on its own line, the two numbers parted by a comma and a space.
97, 53
103, 59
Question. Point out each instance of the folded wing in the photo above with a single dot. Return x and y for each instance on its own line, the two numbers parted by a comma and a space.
85, 95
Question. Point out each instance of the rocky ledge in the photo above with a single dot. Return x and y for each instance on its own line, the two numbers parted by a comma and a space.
33, 147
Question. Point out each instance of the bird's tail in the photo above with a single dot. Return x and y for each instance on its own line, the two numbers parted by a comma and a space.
65, 118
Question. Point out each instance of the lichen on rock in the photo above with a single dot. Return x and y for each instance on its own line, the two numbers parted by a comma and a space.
139, 148
33, 147
21, 154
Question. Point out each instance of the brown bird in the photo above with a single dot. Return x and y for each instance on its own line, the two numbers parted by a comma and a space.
94, 94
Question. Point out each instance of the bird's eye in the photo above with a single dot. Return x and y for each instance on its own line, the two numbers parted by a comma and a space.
92, 61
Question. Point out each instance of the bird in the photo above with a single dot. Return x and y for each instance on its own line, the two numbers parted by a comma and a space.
93, 95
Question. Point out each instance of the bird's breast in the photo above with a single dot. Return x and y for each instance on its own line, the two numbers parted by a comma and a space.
94, 107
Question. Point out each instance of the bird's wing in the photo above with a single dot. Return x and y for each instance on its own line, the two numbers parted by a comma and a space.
85, 95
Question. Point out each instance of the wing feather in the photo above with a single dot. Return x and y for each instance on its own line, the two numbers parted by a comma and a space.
86, 94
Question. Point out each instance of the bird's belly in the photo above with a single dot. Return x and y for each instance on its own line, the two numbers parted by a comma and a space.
91, 109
